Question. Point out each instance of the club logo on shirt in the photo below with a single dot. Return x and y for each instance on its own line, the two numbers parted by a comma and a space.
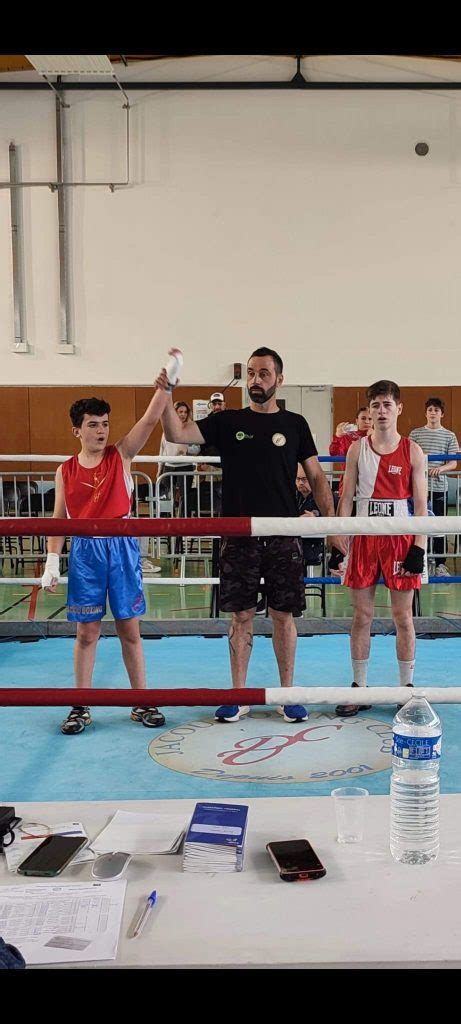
380, 508
279, 440
96, 485
241, 436
395, 469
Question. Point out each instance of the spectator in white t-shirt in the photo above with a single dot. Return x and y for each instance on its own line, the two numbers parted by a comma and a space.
436, 440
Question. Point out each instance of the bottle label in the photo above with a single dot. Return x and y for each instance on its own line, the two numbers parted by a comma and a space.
416, 748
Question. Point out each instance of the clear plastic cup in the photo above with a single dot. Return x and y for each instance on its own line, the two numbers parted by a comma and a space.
349, 804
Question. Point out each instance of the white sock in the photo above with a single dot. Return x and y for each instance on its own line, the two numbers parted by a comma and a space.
360, 672
406, 672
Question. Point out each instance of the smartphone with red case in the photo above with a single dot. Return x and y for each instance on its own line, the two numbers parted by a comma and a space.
296, 860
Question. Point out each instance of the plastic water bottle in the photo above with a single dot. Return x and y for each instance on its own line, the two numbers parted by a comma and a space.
417, 738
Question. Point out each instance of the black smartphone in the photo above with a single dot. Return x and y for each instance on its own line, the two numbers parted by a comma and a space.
295, 860
52, 856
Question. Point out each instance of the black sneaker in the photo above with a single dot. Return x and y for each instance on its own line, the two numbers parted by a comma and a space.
76, 721
152, 718
349, 710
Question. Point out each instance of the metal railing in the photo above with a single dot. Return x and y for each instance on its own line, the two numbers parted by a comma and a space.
176, 492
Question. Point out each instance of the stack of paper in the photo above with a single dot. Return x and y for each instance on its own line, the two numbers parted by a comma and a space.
215, 840
66, 922
138, 833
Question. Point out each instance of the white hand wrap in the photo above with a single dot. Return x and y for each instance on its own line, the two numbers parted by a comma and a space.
173, 368
51, 571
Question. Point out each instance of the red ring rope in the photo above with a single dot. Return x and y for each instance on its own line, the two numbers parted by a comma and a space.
226, 527
28, 698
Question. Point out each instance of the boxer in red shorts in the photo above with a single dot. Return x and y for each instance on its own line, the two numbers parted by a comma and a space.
383, 471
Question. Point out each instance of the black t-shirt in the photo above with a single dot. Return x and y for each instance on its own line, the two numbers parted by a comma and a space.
259, 455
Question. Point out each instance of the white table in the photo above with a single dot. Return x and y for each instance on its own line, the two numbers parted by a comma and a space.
367, 912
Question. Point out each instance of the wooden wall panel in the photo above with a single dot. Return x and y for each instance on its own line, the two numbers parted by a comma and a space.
50, 426
36, 419
455, 415
14, 427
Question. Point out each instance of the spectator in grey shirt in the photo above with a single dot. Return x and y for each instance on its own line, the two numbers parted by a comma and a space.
436, 440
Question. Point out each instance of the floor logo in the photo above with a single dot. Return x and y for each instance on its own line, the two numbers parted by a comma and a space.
262, 748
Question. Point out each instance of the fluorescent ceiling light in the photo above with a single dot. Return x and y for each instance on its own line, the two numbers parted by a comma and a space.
71, 63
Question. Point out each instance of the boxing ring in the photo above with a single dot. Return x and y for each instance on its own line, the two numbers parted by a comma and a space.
193, 752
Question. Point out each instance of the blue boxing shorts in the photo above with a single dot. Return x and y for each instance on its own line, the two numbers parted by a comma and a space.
101, 567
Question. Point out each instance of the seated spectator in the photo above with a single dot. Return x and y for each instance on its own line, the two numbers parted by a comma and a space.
313, 547
436, 440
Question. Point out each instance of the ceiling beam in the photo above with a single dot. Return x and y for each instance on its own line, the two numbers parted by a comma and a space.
294, 84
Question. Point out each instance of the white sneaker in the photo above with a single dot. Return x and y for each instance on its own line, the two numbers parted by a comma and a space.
148, 566
441, 570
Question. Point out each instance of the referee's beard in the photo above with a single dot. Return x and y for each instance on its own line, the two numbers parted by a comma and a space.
259, 395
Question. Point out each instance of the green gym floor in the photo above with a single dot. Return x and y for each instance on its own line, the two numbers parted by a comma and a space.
21, 603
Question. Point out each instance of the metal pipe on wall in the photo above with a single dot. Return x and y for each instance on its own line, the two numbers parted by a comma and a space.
20, 343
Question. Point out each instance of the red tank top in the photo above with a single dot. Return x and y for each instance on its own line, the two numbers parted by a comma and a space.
103, 491
384, 482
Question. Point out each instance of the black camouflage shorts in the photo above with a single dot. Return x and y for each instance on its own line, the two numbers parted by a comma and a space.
244, 560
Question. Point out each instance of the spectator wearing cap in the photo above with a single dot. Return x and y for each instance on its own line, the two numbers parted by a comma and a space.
217, 402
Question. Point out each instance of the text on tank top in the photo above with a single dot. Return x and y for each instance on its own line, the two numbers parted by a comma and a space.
384, 482
103, 491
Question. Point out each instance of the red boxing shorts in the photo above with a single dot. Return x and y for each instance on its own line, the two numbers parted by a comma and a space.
371, 557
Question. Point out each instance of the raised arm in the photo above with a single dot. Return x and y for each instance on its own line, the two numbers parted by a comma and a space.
174, 430
134, 441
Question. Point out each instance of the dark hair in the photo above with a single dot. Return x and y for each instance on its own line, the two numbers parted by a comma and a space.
437, 402
91, 406
384, 387
363, 408
269, 352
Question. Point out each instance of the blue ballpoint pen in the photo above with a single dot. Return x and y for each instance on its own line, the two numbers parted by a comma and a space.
151, 900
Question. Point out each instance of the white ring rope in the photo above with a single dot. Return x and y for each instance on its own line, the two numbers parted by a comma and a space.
354, 526
360, 694
179, 581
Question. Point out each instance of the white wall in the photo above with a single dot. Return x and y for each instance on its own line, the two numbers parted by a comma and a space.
302, 221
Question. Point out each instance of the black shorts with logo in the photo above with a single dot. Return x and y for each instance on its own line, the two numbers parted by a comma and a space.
244, 560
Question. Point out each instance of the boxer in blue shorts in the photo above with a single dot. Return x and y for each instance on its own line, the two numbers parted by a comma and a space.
97, 483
